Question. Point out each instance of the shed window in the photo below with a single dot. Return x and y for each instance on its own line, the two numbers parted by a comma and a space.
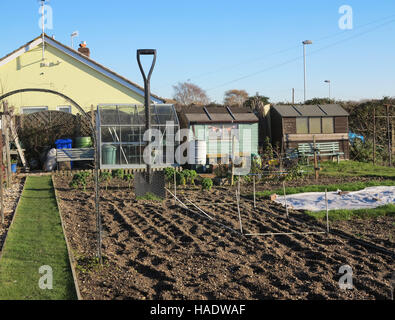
327, 125
302, 125
315, 125
221, 132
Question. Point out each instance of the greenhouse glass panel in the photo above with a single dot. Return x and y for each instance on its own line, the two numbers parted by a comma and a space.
110, 134
121, 129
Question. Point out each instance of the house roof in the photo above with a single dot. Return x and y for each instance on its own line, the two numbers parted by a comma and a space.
82, 58
198, 114
327, 110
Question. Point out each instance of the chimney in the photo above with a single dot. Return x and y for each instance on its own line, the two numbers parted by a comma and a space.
83, 49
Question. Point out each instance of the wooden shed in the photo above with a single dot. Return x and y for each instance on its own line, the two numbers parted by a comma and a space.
215, 126
296, 125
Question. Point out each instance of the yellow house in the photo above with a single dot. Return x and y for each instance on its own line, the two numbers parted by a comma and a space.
65, 70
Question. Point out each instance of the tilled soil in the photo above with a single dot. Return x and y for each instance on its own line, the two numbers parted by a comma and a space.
11, 197
159, 250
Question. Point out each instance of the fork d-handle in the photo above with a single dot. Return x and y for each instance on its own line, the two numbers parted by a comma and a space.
147, 96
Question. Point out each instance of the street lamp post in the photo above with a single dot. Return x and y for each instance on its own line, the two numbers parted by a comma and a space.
329, 84
306, 42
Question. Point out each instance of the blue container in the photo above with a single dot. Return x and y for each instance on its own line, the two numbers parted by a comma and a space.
63, 143
13, 167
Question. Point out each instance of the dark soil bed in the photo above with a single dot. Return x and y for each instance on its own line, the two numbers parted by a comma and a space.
158, 250
11, 197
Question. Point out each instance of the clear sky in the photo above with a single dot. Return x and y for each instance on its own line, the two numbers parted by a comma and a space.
224, 44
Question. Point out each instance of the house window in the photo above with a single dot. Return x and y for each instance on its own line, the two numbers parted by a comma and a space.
302, 125
314, 125
29, 110
328, 125
66, 109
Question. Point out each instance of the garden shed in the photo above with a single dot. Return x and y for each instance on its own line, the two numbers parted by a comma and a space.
295, 127
121, 129
214, 125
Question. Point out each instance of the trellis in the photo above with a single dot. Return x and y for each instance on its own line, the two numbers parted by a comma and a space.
85, 116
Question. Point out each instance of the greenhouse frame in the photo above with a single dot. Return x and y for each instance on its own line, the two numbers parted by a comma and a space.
120, 130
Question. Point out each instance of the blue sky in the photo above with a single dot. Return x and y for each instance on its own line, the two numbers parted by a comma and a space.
220, 45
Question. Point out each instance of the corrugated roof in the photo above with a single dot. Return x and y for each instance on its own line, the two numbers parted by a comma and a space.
334, 110
286, 111
195, 114
310, 111
328, 110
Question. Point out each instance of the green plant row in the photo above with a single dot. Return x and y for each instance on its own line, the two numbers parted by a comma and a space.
80, 180
346, 214
182, 177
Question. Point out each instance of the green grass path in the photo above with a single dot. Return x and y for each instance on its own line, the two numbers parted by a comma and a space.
36, 239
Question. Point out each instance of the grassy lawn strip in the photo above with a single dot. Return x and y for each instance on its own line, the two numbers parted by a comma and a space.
34, 240
349, 186
354, 169
344, 214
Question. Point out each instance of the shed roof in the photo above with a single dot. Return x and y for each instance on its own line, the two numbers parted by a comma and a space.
327, 110
198, 114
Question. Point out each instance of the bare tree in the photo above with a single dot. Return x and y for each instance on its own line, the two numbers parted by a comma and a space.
187, 93
235, 97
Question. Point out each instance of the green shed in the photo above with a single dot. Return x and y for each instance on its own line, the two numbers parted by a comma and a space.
224, 129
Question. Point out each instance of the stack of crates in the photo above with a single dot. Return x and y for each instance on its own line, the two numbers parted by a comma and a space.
64, 144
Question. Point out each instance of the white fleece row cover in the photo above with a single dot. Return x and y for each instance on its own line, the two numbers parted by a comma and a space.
371, 197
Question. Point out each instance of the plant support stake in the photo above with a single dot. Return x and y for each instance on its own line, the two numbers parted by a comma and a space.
285, 200
327, 210
175, 186
238, 204
253, 179
1, 177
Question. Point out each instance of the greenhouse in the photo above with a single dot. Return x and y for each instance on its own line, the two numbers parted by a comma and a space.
121, 130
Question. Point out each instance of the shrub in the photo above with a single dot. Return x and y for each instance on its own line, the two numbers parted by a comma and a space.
128, 177
180, 177
169, 174
294, 172
192, 176
207, 184
221, 171
118, 173
361, 151
268, 151
80, 180
105, 176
